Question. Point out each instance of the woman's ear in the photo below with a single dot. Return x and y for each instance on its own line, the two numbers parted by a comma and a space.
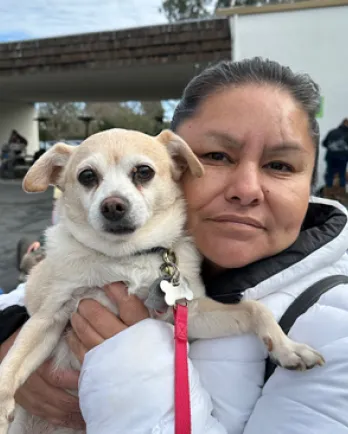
47, 169
182, 155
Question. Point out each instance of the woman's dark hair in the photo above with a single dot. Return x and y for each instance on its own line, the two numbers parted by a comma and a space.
252, 71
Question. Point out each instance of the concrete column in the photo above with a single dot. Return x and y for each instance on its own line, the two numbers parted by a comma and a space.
19, 116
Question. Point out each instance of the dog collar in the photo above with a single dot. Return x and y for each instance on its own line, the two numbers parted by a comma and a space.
160, 250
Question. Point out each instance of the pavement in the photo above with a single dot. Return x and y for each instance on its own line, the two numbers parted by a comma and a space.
21, 215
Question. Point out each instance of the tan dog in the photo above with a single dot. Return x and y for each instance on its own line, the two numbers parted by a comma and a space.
121, 206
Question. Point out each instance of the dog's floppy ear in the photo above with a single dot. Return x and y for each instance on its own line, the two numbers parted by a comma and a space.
181, 154
47, 169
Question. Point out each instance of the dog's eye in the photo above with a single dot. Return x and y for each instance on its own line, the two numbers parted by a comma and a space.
142, 174
88, 178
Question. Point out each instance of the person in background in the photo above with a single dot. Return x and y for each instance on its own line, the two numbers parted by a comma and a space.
336, 143
38, 154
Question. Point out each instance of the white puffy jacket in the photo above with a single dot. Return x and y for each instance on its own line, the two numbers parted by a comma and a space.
126, 385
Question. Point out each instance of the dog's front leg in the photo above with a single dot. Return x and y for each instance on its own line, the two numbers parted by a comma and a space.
33, 345
210, 319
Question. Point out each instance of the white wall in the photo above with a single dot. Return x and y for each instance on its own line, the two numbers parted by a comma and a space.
20, 117
313, 41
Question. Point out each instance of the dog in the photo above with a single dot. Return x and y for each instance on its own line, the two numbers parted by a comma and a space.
122, 218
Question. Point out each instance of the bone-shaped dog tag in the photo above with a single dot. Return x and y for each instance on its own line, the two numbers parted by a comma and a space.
155, 299
175, 293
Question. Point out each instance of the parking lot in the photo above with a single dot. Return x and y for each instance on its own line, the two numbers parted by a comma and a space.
21, 215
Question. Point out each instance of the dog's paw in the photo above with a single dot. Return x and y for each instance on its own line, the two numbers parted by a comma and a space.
7, 412
295, 356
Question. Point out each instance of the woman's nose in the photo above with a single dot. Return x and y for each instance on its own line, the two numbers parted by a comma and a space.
244, 185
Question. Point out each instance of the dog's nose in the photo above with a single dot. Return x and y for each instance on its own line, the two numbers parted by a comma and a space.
114, 208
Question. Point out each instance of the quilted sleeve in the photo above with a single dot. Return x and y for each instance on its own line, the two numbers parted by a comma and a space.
127, 385
314, 401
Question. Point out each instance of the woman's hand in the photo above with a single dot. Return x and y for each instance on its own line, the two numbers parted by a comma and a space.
93, 323
43, 393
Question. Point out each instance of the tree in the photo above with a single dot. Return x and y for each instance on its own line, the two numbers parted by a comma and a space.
62, 121
142, 116
179, 10
63, 118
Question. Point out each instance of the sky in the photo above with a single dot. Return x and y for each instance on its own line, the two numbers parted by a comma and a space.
30, 19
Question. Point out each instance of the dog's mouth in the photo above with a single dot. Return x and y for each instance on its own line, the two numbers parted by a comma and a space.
119, 229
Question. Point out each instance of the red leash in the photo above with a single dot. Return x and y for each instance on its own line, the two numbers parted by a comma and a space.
182, 388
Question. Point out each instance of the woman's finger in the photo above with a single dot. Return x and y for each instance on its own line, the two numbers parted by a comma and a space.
72, 420
59, 378
41, 399
104, 322
131, 308
76, 346
38, 407
85, 331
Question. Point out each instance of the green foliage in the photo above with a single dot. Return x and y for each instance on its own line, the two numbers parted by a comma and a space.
179, 10
63, 123
142, 116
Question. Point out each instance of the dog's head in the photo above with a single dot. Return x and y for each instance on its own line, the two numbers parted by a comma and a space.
116, 182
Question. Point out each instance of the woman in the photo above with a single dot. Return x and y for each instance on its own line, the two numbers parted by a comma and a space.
253, 126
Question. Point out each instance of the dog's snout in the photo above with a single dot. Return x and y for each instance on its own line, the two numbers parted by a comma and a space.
114, 208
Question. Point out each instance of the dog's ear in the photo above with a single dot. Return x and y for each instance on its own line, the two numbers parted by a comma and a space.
181, 154
47, 169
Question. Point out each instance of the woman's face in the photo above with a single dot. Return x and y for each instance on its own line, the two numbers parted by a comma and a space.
255, 145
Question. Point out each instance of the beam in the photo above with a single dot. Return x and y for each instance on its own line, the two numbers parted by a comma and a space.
253, 10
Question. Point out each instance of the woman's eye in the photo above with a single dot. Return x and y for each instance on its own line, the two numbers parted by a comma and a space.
279, 166
217, 156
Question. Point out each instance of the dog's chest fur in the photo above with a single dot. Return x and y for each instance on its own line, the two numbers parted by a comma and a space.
71, 272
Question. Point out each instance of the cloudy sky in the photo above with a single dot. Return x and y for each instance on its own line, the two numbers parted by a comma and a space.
27, 19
